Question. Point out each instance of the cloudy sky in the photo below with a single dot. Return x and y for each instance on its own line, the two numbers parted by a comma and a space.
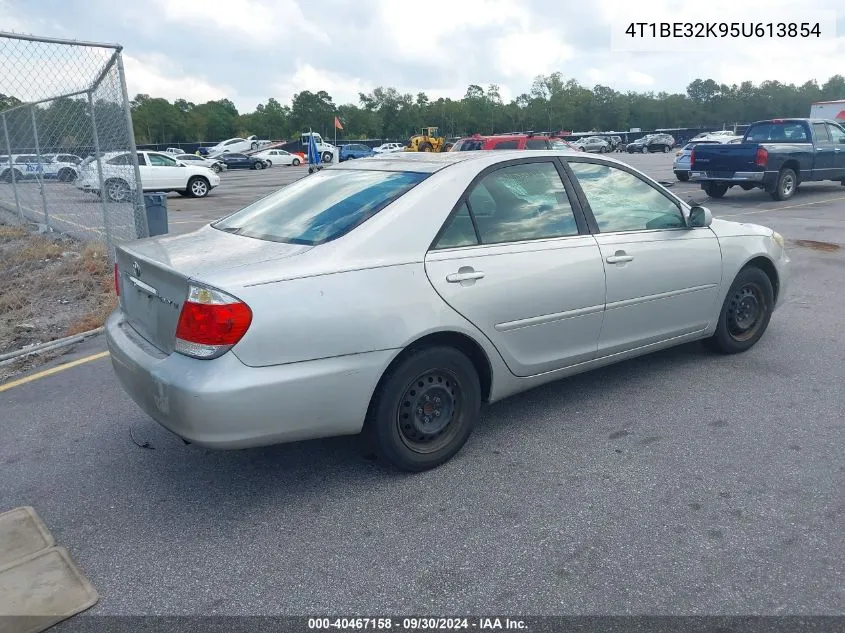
249, 50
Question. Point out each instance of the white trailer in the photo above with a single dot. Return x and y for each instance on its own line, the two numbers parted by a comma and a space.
831, 110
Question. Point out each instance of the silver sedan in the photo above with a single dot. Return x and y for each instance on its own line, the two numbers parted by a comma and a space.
394, 295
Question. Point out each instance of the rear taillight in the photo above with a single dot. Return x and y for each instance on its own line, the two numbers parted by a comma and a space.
116, 280
692, 158
762, 157
210, 323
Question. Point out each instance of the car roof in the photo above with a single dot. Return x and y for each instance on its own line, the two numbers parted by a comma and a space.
430, 162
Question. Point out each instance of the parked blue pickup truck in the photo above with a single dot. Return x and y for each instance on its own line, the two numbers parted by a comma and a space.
776, 155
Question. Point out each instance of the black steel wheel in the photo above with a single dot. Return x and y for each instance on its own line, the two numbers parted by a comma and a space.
746, 312
424, 409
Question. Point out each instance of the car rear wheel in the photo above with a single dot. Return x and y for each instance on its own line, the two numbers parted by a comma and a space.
666, 149
253, 146
117, 190
786, 185
424, 409
66, 175
216, 168
683, 176
295, 162
198, 187
745, 313
258, 165
645, 149
715, 189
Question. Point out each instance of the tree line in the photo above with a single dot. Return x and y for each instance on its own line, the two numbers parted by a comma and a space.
552, 103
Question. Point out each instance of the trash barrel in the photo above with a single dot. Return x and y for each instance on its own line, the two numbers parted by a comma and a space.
156, 207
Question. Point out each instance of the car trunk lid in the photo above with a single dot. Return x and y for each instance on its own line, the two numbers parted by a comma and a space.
155, 274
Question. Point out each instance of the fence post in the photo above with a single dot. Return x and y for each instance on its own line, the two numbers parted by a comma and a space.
142, 228
39, 171
11, 169
99, 161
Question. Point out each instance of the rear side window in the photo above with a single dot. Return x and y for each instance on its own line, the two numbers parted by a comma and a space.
320, 207
513, 204
123, 159
536, 143
506, 145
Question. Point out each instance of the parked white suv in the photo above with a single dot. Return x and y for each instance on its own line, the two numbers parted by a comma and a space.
159, 172
236, 146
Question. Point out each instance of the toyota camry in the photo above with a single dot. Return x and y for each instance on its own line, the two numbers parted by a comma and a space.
392, 296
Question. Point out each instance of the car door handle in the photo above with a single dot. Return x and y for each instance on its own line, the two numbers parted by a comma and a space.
620, 257
464, 275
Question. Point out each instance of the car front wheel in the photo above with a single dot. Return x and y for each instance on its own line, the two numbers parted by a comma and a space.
424, 409
117, 190
745, 313
198, 187
295, 162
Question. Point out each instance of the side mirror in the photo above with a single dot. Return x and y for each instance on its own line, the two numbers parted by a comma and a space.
700, 217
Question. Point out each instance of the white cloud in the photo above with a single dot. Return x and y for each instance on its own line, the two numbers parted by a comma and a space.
157, 76
531, 53
245, 22
342, 88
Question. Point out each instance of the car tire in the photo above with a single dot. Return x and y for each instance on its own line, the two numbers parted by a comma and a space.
666, 149
253, 146
269, 163
198, 187
745, 313
66, 175
326, 157
295, 162
683, 176
786, 185
258, 165
715, 189
424, 409
216, 169
117, 190
645, 149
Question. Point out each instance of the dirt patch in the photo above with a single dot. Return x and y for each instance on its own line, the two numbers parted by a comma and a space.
51, 286
827, 247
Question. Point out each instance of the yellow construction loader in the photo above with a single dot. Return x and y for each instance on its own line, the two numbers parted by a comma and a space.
428, 141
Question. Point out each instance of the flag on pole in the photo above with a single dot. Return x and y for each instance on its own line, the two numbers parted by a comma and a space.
337, 124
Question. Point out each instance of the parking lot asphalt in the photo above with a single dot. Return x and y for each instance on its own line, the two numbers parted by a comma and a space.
677, 483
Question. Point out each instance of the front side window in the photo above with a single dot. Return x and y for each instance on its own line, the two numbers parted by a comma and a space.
837, 134
157, 160
820, 132
620, 201
521, 202
320, 207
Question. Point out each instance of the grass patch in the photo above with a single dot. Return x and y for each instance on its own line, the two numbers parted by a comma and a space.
51, 286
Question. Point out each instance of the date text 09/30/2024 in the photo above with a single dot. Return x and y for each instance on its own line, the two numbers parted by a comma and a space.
724, 29
416, 624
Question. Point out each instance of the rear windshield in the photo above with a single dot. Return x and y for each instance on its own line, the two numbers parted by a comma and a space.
784, 132
320, 207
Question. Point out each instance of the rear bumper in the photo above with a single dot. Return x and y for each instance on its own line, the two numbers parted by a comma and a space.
761, 178
225, 404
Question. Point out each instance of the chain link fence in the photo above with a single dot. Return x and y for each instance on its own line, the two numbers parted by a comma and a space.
68, 159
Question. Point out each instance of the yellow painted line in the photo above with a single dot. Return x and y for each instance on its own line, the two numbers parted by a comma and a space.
792, 206
50, 372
